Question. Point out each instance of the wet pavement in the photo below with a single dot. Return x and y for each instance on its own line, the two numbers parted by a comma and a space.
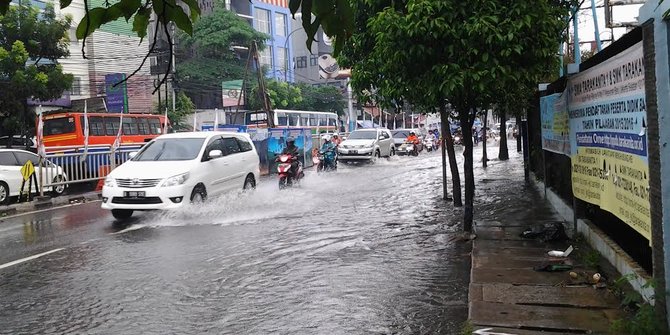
369, 249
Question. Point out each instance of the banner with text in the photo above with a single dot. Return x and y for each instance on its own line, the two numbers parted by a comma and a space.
555, 124
607, 112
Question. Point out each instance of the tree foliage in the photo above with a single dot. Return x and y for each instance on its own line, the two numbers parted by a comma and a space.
30, 44
206, 58
184, 107
300, 97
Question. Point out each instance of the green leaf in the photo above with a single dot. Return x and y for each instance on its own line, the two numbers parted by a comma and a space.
65, 3
180, 18
194, 7
293, 6
141, 22
127, 7
94, 19
485, 57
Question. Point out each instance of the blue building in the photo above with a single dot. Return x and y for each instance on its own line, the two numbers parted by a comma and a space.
272, 17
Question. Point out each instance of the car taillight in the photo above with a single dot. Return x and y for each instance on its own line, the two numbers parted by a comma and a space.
283, 159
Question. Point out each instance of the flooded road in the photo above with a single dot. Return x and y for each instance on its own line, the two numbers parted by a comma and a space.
370, 249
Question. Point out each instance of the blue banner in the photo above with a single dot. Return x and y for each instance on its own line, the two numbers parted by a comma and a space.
117, 95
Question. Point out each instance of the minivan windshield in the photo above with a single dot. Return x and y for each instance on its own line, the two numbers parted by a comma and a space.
171, 149
363, 135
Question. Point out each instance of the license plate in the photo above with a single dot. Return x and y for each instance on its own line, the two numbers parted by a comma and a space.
353, 152
134, 194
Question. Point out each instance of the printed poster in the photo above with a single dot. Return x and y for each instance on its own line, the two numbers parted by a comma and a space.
607, 112
555, 123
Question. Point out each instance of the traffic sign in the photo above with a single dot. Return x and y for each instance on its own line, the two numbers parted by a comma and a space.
27, 170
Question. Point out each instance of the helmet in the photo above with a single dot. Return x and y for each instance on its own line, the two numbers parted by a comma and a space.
290, 140
336, 135
326, 138
412, 132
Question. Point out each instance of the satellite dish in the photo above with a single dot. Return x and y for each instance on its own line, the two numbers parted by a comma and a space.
327, 40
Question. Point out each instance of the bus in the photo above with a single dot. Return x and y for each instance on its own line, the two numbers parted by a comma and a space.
318, 122
66, 129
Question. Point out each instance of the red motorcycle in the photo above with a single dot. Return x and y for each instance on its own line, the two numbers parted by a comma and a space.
286, 176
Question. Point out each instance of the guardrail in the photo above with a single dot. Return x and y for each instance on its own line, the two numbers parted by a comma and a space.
69, 165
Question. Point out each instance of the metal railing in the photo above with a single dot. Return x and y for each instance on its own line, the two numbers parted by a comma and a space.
67, 165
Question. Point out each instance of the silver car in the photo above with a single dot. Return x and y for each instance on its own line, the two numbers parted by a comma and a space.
366, 145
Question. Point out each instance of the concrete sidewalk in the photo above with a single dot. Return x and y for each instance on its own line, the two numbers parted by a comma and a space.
509, 296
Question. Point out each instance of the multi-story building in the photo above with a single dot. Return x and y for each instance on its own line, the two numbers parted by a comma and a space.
271, 17
305, 62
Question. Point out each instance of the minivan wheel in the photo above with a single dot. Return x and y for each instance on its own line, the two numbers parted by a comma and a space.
249, 183
198, 195
122, 214
4, 193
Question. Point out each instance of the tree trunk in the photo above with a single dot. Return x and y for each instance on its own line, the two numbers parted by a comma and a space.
503, 155
448, 143
485, 157
468, 168
518, 133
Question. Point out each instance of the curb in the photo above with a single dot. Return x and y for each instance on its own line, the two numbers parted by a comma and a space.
41, 203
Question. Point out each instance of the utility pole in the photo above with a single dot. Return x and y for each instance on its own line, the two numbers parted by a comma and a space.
350, 106
261, 86
174, 96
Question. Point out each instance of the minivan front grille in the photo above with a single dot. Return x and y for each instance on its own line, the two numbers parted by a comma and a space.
137, 183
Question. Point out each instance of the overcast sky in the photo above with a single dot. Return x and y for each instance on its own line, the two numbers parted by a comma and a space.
586, 28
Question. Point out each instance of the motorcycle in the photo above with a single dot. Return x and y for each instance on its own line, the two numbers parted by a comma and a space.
458, 140
429, 143
408, 148
286, 177
326, 161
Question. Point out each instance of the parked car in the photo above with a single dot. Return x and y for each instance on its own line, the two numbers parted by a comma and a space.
19, 142
366, 145
399, 136
11, 162
179, 168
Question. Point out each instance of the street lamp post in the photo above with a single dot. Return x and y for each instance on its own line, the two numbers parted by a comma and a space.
287, 60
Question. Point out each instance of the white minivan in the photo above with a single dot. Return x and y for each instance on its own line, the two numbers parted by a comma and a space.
366, 144
174, 169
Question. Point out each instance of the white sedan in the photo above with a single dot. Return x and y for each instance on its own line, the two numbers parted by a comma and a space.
179, 168
11, 161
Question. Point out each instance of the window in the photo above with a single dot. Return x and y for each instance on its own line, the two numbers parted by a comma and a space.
130, 126
8, 159
111, 126
313, 60
244, 144
262, 18
76, 86
64, 125
155, 127
171, 149
280, 24
292, 119
96, 127
266, 56
282, 120
143, 126
281, 58
24, 157
304, 119
332, 121
301, 62
230, 146
214, 144
323, 121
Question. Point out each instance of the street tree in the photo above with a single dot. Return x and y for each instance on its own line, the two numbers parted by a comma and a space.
369, 74
31, 42
208, 56
467, 50
184, 108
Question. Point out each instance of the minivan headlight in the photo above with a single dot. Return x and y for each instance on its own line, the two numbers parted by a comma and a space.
110, 182
175, 180
369, 145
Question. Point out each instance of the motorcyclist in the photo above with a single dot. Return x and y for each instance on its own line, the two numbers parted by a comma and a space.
412, 138
328, 145
292, 150
336, 139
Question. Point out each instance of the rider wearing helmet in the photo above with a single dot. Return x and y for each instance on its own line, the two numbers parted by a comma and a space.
327, 143
412, 138
292, 149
